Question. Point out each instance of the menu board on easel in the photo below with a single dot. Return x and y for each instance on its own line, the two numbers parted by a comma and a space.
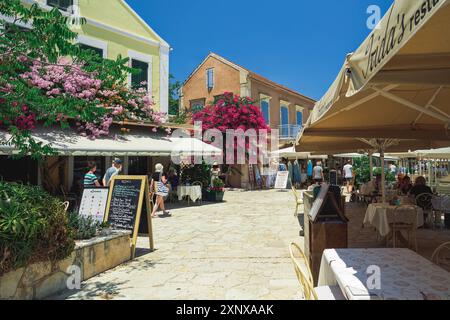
282, 180
128, 196
93, 203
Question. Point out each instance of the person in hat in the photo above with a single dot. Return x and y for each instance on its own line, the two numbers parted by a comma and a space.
159, 186
215, 173
111, 172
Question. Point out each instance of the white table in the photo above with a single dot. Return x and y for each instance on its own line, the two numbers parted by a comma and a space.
404, 275
381, 215
193, 192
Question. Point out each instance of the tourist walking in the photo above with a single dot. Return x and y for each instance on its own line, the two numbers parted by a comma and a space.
318, 175
90, 178
159, 188
111, 172
348, 176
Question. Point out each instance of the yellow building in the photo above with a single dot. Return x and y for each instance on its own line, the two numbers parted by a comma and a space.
113, 28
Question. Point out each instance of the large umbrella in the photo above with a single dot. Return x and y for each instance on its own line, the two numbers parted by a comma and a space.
393, 93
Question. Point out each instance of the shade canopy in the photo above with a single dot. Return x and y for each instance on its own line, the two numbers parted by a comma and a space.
291, 153
360, 155
443, 153
140, 142
396, 85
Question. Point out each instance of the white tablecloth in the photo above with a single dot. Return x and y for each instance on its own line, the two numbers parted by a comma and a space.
193, 192
381, 215
404, 275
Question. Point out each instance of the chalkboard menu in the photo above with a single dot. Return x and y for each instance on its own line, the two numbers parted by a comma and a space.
123, 208
128, 198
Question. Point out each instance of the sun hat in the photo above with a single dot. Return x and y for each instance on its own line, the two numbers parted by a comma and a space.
159, 167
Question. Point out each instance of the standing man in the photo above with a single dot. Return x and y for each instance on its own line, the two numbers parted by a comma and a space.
111, 172
348, 176
318, 175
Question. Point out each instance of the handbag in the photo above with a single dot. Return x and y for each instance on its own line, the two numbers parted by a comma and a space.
161, 188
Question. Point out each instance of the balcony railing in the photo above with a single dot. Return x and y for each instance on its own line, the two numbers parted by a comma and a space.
289, 131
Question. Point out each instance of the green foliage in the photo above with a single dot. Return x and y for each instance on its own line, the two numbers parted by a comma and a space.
183, 117
201, 173
174, 99
85, 228
33, 227
48, 41
361, 167
218, 183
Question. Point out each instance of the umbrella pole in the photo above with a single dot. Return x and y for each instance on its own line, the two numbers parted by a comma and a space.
371, 165
383, 177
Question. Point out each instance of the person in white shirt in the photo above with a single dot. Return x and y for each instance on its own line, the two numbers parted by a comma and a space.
318, 173
348, 176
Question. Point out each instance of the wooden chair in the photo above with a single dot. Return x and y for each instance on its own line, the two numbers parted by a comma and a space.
409, 225
298, 201
306, 279
441, 256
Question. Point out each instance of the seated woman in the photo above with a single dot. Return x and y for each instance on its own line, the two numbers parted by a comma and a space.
405, 185
420, 187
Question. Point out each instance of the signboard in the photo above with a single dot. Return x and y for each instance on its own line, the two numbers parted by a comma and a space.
333, 177
282, 180
127, 197
319, 202
93, 203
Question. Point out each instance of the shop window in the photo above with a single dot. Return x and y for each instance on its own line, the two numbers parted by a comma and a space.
24, 170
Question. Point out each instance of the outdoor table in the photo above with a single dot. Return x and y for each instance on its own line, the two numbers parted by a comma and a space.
403, 275
381, 216
193, 192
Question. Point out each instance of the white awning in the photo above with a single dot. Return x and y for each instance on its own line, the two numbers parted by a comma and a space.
139, 142
290, 153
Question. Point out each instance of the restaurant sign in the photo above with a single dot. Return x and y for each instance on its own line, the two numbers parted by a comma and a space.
398, 26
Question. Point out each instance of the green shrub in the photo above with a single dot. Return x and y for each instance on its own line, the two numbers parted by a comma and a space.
85, 228
34, 227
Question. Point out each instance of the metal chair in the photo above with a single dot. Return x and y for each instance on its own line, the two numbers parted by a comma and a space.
298, 200
409, 225
306, 281
424, 201
441, 256
66, 205
197, 183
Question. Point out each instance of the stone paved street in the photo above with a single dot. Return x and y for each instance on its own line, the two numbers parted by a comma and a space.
233, 250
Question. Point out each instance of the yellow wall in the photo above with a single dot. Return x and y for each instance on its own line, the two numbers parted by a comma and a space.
119, 44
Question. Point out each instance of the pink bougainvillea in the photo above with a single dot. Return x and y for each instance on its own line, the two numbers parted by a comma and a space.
68, 79
231, 112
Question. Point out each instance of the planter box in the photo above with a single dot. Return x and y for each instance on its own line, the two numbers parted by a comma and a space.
44, 279
214, 196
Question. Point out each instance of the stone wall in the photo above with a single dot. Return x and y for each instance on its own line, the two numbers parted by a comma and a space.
44, 279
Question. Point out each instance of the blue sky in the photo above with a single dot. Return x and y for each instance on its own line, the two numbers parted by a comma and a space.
298, 43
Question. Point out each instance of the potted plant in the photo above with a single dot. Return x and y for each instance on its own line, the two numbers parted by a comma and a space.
218, 190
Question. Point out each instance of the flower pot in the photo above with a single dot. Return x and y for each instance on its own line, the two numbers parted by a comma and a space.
219, 196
